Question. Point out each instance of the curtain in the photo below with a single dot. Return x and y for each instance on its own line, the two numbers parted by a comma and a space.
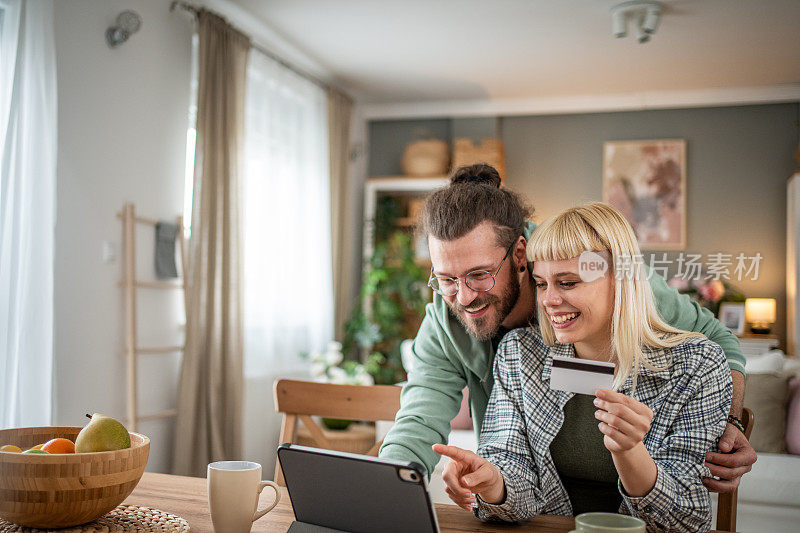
288, 299
28, 129
208, 426
339, 110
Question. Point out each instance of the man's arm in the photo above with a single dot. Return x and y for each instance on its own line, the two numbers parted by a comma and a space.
737, 457
681, 312
737, 403
429, 401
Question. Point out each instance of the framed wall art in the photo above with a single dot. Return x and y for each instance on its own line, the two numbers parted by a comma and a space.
646, 181
732, 316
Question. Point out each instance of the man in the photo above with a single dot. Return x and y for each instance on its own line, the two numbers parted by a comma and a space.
477, 234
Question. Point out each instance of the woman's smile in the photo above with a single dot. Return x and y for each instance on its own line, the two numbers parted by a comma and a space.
563, 320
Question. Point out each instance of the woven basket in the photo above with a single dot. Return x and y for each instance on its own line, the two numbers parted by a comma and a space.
61, 490
429, 157
490, 151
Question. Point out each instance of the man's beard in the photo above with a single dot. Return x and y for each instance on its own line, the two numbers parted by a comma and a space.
481, 328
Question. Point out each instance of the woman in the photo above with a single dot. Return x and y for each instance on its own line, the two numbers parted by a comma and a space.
638, 449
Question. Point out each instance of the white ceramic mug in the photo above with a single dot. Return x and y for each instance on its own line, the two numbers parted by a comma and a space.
233, 491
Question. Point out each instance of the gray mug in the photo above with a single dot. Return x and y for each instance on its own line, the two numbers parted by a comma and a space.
608, 523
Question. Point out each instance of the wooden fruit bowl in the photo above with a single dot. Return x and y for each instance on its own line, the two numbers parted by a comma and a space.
61, 490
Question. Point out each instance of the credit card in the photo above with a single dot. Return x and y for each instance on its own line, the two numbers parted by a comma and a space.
580, 375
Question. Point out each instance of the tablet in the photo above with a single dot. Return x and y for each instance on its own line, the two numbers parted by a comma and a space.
355, 493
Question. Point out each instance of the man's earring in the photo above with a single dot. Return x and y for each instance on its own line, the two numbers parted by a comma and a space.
522, 268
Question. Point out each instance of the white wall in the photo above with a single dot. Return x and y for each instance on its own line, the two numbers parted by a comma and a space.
122, 128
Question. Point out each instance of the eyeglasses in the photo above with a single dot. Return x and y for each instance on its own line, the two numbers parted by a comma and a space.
477, 280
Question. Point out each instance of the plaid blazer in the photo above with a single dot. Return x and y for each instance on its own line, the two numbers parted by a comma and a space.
690, 399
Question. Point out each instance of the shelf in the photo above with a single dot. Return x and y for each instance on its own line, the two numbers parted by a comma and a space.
760, 336
406, 222
389, 179
405, 184
379, 185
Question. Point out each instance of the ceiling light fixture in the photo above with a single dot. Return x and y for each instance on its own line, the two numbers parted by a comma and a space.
645, 14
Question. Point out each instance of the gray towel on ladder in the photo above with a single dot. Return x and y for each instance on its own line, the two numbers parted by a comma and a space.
166, 233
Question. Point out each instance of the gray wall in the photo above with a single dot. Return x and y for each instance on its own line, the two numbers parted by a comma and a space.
387, 139
738, 159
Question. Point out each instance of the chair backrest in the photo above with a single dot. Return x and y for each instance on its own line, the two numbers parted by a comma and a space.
300, 400
726, 505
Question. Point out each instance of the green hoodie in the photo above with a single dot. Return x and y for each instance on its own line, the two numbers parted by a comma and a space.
447, 358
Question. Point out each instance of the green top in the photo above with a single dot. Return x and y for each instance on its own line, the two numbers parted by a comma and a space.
582, 461
447, 358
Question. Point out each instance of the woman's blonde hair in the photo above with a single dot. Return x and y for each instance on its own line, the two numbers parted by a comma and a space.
635, 322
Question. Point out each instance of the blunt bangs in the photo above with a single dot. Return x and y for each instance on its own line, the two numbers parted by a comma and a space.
564, 236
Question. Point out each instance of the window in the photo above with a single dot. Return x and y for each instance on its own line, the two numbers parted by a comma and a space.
288, 293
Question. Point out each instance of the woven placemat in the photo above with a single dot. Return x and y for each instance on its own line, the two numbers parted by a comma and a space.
123, 519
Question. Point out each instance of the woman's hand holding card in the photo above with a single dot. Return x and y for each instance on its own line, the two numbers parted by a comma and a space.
623, 421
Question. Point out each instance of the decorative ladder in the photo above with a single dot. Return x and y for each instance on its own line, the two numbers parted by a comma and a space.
130, 284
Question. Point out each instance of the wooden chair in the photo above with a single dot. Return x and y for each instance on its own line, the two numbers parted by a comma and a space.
726, 505
304, 399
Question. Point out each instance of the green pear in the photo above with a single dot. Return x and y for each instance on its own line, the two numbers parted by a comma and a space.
102, 434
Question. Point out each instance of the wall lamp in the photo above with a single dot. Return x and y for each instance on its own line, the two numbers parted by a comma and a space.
128, 22
645, 14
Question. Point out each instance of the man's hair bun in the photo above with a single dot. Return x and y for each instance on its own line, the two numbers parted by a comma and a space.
479, 173
474, 196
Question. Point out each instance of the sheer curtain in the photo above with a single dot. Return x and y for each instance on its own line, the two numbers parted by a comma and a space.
288, 294
27, 210
288, 302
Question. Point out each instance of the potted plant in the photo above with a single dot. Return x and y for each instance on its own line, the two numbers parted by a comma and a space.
395, 290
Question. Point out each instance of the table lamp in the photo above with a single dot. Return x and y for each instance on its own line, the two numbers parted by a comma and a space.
760, 312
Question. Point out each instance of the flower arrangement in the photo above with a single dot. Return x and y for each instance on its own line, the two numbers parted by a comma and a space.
330, 367
708, 293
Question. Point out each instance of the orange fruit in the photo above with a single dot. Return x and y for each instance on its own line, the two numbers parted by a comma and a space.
38, 446
59, 446
10, 448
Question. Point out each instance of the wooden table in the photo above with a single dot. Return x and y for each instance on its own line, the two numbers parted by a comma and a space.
186, 497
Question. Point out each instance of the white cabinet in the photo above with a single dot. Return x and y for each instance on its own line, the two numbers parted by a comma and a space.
753, 344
